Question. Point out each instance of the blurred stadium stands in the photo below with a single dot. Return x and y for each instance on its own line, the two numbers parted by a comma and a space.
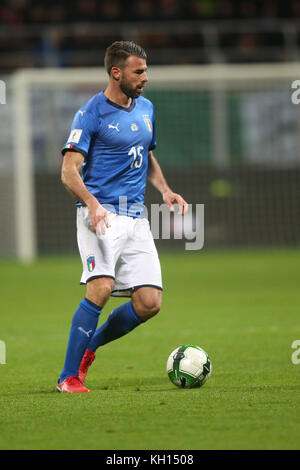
235, 150
59, 33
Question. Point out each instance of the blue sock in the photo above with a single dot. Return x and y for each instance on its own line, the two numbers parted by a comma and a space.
84, 324
121, 320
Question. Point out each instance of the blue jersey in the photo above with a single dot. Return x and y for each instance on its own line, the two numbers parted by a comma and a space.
115, 142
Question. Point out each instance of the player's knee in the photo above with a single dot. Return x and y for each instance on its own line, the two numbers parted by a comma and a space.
99, 290
105, 291
150, 310
147, 308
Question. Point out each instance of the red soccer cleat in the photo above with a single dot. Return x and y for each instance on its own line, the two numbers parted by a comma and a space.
71, 385
88, 358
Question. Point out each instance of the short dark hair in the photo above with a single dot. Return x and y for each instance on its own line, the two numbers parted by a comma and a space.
118, 52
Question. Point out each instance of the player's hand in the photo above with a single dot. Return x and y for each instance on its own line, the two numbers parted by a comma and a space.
99, 218
171, 198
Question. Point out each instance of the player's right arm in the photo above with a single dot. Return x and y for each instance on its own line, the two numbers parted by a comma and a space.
70, 176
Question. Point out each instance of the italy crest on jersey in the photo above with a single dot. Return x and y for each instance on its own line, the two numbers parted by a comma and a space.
148, 122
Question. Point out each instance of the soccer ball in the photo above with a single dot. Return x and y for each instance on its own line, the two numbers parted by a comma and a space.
188, 366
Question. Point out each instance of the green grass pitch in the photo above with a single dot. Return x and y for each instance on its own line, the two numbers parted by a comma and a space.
242, 307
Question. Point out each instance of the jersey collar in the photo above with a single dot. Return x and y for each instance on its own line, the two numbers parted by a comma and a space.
128, 109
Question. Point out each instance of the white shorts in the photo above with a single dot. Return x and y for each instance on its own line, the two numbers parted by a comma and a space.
126, 253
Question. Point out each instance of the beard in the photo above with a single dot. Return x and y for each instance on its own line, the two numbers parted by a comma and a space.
128, 90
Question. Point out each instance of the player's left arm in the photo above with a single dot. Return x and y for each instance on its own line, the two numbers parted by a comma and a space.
157, 179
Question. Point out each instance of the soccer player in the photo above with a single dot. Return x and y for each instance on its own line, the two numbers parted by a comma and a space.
107, 159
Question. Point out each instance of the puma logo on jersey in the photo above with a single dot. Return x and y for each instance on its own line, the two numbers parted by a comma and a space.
110, 126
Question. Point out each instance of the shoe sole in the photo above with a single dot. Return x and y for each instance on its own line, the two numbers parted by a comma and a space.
58, 389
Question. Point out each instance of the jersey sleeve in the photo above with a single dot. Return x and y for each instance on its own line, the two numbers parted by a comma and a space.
84, 127
153, 141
